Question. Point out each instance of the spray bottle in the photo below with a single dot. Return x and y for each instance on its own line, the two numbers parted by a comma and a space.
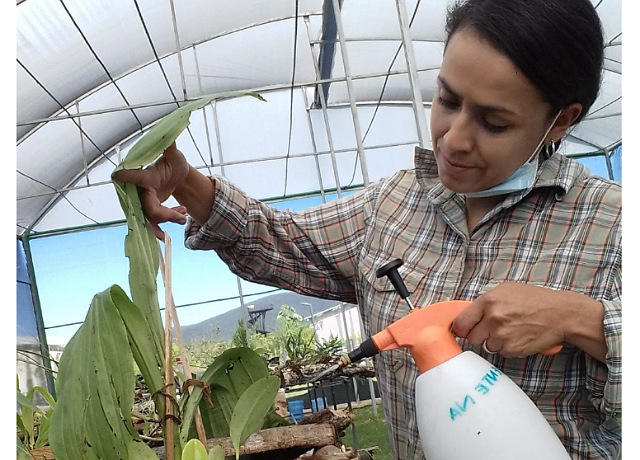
466, 408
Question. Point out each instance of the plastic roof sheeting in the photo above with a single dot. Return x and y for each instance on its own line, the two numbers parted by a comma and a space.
344, 109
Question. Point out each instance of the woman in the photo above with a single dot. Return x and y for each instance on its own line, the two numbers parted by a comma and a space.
493, 214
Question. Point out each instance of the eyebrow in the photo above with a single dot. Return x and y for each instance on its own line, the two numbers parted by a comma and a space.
481, 107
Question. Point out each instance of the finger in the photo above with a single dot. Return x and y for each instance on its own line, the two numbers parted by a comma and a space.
158, 214
126, 175
157, 231
181, 209
467, 320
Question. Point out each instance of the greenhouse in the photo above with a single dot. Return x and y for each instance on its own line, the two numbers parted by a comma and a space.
297, 103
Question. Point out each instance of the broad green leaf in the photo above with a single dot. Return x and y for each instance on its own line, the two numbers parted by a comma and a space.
141, 247
67, 432
253, 405
241, 368
235, 370
216, 453
141, 340
194, 450
95, 388
138, 450
217, 415
95, 377
167, 130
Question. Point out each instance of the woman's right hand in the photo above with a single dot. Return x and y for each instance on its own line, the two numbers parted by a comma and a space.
156, 184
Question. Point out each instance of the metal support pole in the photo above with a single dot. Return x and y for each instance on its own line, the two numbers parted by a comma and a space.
325, 115
374, 404
418, 105
313, 322
42, 335
350, 91
243, 307
349, 348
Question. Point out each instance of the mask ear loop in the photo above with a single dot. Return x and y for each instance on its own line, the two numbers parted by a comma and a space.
548, 150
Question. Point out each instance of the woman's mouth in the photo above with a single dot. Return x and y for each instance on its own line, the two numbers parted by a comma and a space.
452, 166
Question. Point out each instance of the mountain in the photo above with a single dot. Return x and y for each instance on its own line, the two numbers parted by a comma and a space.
223, 326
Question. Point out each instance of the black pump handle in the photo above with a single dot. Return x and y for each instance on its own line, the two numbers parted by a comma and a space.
390, 270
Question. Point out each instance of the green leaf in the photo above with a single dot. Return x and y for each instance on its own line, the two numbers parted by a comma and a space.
95, 388
216, 453
27, 403
229, 376
95, 377
217, 416
253, 405
25, 419
194, 450
138, 450
43, 430
141, 340
141, 247
167, 130
30, 412
45, 394
23, 451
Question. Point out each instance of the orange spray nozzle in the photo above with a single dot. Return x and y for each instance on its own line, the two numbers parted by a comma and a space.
426, 332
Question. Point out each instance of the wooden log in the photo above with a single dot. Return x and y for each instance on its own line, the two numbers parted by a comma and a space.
330, 453
282, 437
339, 418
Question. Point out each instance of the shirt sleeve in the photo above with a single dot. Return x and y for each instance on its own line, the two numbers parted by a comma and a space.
605, 382
311, 252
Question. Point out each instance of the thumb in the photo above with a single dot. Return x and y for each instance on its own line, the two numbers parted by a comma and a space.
467, 319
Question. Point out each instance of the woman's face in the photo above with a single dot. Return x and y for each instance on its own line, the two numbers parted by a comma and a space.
486, 117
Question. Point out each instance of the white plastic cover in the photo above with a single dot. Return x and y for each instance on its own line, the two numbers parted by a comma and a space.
93, 75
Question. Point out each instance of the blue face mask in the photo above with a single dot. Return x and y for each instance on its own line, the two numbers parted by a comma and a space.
522, 178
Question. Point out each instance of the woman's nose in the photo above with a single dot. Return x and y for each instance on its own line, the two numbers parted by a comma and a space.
459, 135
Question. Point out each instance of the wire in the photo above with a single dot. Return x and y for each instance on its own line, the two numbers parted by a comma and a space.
164, 74
95, 55
384, 87
293, 78
62, 107
237, 297
62, 195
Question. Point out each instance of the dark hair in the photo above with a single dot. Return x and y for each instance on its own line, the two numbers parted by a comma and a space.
557, 44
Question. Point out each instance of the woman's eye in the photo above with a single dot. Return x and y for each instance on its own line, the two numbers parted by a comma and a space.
446, 103
493, 127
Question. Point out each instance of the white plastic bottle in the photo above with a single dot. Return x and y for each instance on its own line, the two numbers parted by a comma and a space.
468, 409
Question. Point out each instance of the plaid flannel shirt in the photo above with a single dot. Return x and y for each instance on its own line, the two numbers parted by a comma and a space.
564, 234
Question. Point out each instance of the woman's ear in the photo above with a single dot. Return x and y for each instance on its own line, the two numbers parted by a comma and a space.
567, 117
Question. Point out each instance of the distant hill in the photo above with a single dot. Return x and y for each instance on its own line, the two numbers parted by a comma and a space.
223, 326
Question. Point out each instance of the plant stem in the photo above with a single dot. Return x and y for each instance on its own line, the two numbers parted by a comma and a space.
171, 308
168, 363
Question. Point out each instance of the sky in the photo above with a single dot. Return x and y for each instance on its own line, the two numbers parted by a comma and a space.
70, 269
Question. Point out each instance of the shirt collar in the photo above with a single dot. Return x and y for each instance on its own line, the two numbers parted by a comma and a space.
557, 171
